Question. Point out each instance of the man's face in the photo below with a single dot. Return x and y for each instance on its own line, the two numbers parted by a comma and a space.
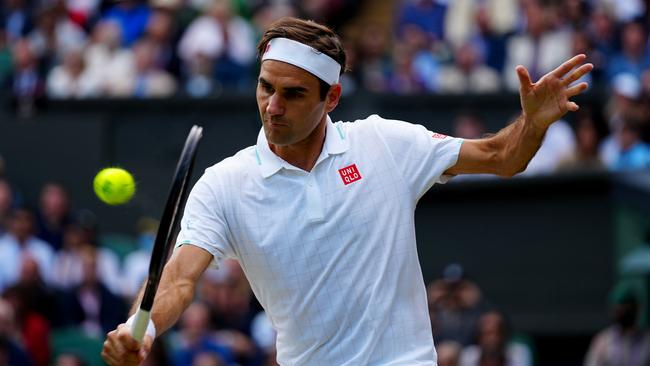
289, 102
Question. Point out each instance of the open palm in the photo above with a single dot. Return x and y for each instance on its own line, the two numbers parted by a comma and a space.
547, 100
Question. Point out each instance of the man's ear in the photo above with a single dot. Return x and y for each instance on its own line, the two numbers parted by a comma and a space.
333, 97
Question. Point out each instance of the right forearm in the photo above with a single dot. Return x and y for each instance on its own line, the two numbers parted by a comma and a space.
172, 298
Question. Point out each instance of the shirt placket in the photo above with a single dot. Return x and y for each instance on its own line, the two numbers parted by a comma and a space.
315, 209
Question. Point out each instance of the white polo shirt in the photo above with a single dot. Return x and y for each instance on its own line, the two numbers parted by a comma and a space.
331, 253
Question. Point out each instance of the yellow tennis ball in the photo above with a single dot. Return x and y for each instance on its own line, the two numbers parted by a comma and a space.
114, 186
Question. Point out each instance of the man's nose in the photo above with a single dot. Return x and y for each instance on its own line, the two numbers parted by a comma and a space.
275, 106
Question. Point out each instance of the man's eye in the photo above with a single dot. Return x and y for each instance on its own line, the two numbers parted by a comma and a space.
293, 95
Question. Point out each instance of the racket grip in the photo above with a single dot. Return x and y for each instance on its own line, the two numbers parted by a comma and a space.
140, 324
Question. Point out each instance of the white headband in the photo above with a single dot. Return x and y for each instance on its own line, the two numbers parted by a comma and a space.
303, 56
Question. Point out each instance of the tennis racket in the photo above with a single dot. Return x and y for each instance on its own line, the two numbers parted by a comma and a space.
166, 230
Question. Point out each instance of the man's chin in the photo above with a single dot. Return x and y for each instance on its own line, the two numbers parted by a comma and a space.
275, 138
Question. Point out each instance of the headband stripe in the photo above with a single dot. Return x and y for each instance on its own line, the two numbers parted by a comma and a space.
303, 56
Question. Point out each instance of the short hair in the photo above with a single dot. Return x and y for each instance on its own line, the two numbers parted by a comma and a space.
310, 33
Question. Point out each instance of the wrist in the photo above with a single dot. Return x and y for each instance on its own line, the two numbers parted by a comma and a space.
534, 125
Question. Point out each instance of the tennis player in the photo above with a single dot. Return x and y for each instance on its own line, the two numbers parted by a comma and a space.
321, 214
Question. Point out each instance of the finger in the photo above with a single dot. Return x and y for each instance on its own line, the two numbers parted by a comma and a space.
561, 70
576, 89
126, 339
111, 360
571, 106
577, 74
112, 349
524, 78
146, 346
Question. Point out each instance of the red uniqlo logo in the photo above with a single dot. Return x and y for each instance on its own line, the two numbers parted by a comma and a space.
350, 174
268, 46
438, 135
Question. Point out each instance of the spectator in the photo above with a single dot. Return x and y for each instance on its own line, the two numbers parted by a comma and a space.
416, 66
494, 345
623, 342
223, 37
634, 57
580, 43
132, 17
601, 32
111, 65
468, 74
54, 35
11, 350
161, 33
20, 243
469, 20
83, 12
264, 336
269, 12
69, 359
335, 13
575, 13
71, 79
635, 153
78, 238
588, 133
34, 326
558, 145
625, 10
427, 15
455, 306
373, 62
91, 305
229, 296
5, 56
208, 359
540, 49
199, 81
136, 263
449, 353
148, 80
195, 337
6, 204
17, 18
53, 214
36, 295
26, 82
626, 93
158, 355
469, 125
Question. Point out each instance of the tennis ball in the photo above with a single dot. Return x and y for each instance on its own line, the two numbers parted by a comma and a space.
114, 186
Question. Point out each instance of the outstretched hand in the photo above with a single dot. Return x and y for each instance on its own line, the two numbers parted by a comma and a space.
547, 100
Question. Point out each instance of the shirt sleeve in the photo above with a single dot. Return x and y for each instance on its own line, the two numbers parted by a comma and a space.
204, 224
422, 156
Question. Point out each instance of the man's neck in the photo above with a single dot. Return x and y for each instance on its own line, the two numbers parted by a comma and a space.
305, 153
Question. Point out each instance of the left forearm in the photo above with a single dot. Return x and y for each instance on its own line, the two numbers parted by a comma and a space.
516, 145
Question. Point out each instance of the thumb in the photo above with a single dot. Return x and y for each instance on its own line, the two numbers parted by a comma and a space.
525, 84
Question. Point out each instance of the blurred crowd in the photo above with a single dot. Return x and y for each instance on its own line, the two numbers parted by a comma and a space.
64, 285
198, 48
62, 288
53, 49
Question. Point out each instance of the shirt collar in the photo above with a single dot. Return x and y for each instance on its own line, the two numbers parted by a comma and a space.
335, 143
